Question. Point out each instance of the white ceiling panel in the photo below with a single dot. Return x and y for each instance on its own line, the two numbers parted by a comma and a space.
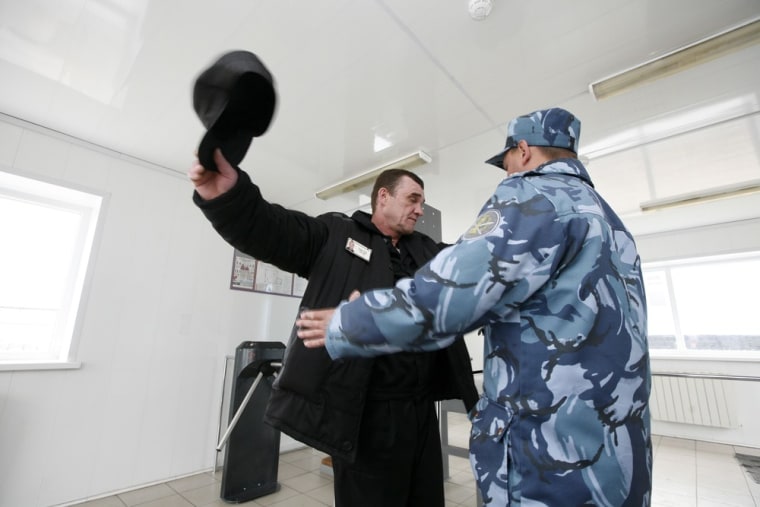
421, 74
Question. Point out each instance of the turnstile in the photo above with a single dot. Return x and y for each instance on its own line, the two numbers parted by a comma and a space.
253, 447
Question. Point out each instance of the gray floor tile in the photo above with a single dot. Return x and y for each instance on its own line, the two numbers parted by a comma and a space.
193, 482
144, 495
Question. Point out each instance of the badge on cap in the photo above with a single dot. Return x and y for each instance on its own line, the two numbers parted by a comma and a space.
358, 249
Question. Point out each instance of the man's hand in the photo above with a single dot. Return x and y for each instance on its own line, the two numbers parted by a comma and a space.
312, 324
211, 184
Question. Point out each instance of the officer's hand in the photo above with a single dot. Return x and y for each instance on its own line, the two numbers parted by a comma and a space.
312, 324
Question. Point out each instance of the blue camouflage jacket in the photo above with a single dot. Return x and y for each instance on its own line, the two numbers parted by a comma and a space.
552, 276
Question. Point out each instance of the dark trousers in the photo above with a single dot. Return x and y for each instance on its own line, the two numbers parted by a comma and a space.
399, 458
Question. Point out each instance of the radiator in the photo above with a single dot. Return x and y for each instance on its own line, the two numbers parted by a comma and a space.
700, 401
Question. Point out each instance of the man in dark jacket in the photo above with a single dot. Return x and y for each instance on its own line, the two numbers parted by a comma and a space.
375, 417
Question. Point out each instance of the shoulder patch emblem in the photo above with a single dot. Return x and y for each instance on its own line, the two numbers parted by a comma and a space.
483, 225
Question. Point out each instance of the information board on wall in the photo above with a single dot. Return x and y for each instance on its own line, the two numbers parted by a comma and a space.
252, 275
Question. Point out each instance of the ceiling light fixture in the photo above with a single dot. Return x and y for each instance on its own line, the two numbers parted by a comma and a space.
679, 60
361, 180
743, 188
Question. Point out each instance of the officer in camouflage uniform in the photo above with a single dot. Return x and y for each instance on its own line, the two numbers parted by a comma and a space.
553, 277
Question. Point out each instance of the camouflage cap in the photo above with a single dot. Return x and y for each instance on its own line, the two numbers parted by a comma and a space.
548, 127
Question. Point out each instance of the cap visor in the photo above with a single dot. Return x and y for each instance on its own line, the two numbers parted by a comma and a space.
498, 159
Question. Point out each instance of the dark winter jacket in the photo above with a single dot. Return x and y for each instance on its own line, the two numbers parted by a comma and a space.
315, 399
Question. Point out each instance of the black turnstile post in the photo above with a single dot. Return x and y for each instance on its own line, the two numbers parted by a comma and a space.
253, 447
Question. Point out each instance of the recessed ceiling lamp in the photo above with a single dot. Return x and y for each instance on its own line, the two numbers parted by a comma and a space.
681, 59
361, 180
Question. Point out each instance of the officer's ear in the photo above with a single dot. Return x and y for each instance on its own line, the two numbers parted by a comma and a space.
523, 151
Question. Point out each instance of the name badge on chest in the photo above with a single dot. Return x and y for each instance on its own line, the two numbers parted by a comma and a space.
358, 249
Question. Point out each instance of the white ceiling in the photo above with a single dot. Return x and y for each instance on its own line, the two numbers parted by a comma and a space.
119, 73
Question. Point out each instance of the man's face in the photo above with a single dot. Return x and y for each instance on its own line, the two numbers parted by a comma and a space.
401, 210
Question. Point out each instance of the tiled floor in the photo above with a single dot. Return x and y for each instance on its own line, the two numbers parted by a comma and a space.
686, 473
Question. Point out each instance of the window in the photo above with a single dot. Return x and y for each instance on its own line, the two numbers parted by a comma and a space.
704, 307
47, 234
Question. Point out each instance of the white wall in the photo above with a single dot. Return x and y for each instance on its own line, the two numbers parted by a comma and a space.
158, 320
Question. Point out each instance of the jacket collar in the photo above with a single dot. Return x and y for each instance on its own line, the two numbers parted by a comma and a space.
567, 166
364, 219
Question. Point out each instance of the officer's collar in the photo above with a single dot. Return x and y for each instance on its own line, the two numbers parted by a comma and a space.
569, 166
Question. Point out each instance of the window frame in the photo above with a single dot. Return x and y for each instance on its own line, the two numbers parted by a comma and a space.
90, 206
681, 352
